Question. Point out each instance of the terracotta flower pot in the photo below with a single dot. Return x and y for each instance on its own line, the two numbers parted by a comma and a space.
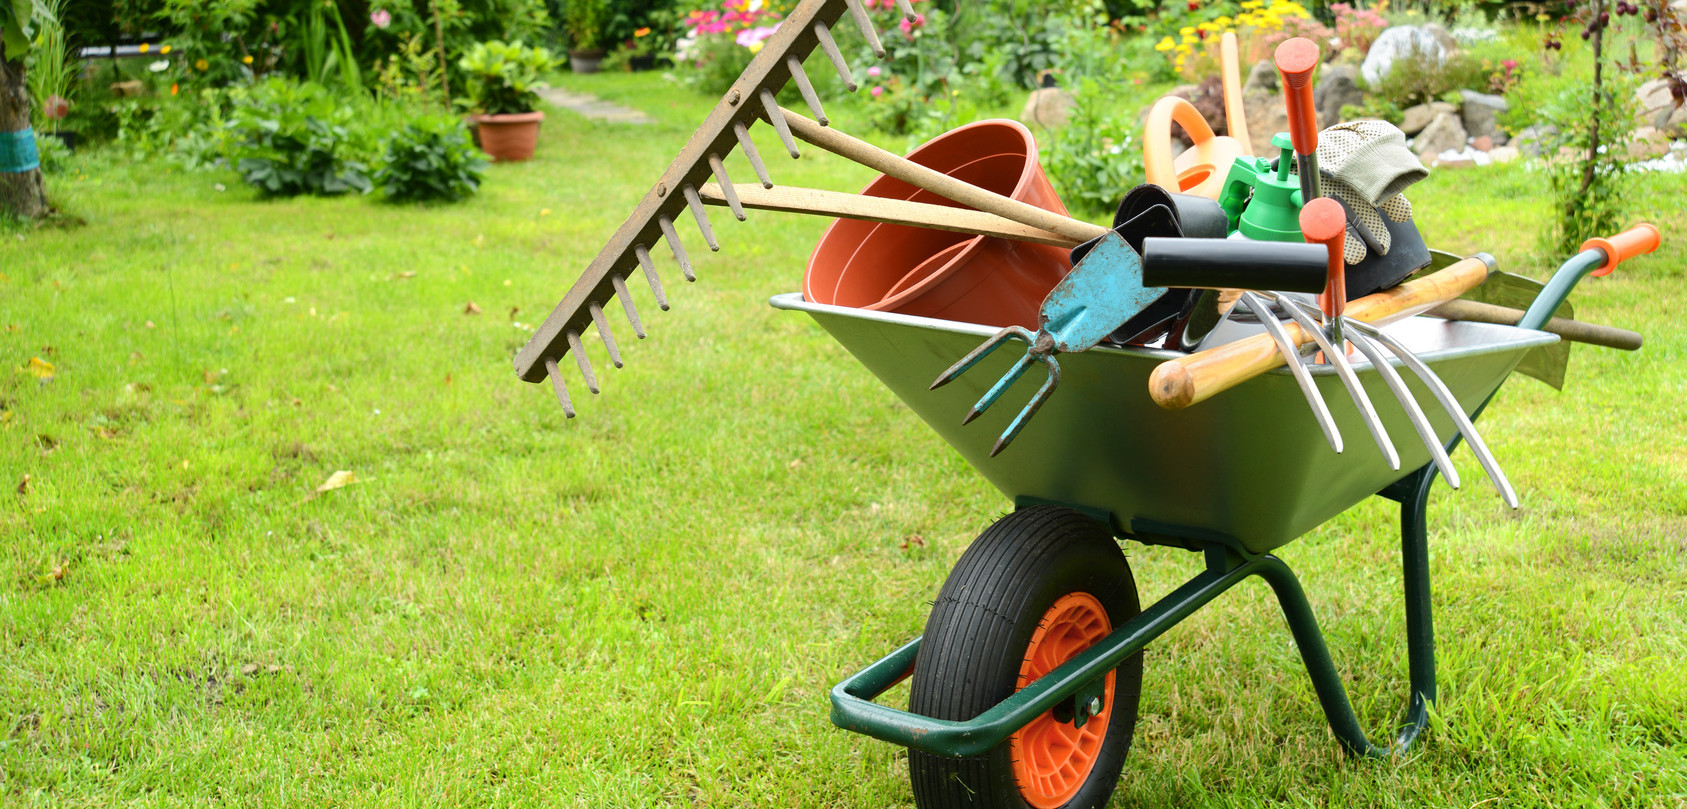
508, 137
934, 273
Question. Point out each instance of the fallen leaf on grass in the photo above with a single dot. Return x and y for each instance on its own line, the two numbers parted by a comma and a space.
39, 368
340, 479
513, 311
472, 309
403, 276
23, 485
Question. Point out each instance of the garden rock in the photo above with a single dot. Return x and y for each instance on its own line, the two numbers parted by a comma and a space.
1481, 115
1658, 109
1443, 134
1262, 79
1400, 41
1482, 143
1418, 116
1048, 107
1266, 117
1503, 154
1648, 142
128, 89
1528, 141
1338, 87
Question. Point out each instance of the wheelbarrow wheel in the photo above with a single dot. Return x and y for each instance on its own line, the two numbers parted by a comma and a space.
1036, 588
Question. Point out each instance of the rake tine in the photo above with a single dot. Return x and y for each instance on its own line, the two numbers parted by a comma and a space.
830, 46
726, 186
777, 118
560, 387
750, 154
1291, 358
859, 12
983, 350
627, 303
696, 205
907, 10
1350, 380
603, 331
649, 268
1448, 403
668, 232
803, 86
1031, 407
579, 352
1420, 422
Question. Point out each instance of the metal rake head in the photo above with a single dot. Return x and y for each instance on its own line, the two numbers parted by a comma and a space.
750, 99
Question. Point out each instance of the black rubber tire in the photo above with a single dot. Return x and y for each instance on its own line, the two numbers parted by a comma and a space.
977, 635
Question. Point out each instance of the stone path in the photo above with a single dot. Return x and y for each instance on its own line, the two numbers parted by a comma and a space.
593, 107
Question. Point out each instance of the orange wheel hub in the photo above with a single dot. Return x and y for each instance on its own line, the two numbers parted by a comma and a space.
1051, 758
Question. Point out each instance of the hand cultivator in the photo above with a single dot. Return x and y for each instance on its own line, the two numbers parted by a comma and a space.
1026, 680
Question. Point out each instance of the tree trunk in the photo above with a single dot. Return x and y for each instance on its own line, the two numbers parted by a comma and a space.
22, 194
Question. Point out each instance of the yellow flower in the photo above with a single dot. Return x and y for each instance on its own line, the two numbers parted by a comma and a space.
246, 60
201, 64
755, 47
1253, 4
146, 46
164, 50
1186, 30
1165, 45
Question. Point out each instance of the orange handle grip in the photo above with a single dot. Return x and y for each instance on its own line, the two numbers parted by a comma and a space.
1179, 383
1296, 59
1636, 241
1322, 221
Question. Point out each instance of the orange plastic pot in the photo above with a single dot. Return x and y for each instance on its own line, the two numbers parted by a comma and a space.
934, 273
509, 137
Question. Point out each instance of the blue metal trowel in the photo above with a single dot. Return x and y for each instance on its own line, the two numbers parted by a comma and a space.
1112, 284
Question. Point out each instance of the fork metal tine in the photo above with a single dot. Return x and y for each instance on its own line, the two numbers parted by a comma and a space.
751, 154
579, 352
627, 303
668, 232
1350, 380
696, 205
777, 118
907, 10
649, 268
560, 387
727, 190
1291, 358
1031, 407
803, 86
859, 12
603, 331
830, 46
1420, 422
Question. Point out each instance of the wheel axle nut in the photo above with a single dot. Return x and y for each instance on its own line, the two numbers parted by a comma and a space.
1094, 706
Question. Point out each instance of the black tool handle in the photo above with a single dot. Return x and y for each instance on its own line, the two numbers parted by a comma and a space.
1233, 264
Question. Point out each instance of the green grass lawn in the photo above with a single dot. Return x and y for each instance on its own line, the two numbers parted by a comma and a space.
646, 605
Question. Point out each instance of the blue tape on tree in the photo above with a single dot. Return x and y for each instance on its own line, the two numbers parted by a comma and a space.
17, 151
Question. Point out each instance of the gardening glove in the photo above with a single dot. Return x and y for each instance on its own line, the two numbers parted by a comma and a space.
1366, 231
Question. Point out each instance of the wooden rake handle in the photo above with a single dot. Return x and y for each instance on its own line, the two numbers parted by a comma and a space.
1181, 382
819, 202
1575, 331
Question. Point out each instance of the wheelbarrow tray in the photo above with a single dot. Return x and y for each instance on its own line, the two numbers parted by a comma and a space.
1249, 467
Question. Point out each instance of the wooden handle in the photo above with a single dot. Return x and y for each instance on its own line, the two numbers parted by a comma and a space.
1575, 331
937, 182
1181, 382
816, 201
1235, 119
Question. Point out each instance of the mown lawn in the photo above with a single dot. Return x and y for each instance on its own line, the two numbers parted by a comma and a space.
647, 604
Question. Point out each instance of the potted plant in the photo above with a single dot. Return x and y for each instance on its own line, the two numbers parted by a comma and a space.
584, 20
503, 86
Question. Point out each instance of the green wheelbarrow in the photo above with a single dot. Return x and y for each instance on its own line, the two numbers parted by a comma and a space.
1025, 683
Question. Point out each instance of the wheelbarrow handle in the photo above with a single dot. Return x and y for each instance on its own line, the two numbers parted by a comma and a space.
1181, 382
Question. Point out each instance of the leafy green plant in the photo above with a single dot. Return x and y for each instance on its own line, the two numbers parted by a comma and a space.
430, 160
296, 139
1094, 159
504, 78
51, 68
584, 20
328, 53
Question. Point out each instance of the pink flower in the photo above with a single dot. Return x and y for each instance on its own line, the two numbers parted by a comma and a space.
380, 17
752, 36
55, 108
874, 71
908, 27
878, 91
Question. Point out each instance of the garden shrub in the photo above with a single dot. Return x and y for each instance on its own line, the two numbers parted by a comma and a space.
293, 139
1095, 158
430, 160
503, 78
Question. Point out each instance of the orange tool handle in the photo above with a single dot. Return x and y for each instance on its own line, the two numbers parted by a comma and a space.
1181, 382
1296, 59
1322, 221
1636, 241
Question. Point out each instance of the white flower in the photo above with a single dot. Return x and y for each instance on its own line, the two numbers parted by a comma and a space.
159, 66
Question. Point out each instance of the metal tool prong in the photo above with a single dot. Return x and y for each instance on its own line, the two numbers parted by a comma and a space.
602, 324
780, 125
750, 154
865, 23
560, 387
907, 9
695, 203
1448, 403
1291, 358
830, 46
579, 352
793, 64
627, 303
726, 188
668, 232
649, 268
1344, 371
1420, 422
